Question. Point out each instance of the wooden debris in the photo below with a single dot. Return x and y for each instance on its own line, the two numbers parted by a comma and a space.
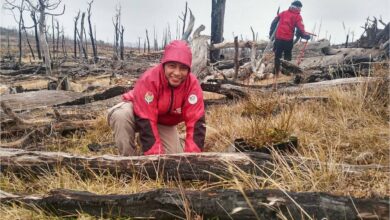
202, 166
39, 99
221, 204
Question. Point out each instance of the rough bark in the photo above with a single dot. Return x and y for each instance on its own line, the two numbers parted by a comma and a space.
42, 38
202, 166
190, 26
217, 23
37, 43
241, 44
210, 204
82, 29
76, 19
236, 64
121, 45
147, 40
39, 99
341, 56
237, 91
199, 47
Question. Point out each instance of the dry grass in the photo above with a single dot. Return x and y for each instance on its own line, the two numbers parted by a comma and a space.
352, 127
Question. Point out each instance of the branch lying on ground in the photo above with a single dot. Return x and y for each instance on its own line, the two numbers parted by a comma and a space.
203, 166
223, 203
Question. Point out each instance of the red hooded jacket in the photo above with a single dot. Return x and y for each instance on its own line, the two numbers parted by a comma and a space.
156, 102
288, 20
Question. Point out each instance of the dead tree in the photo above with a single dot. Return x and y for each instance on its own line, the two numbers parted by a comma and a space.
63, 44
121, 46
42, 7
147, 39
184, 18
37, 44
139, 45
94, 49
117, 26
155, 43
20, 8
189, 28
217, 22
53, 38
199, 47
236, 64
28, 41
81, 37
85, 42
76, 19
58, 36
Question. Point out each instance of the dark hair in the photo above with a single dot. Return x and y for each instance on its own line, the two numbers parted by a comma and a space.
297, 4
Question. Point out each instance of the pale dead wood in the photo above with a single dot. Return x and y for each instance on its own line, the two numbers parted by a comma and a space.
20, 121
241, 44
18, 143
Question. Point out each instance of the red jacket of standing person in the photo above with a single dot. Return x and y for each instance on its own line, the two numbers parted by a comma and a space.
156, 101
288, 21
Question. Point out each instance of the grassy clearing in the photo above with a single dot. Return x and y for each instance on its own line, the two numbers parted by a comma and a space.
351, 127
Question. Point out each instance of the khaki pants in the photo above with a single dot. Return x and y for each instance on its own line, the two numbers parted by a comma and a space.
122, 122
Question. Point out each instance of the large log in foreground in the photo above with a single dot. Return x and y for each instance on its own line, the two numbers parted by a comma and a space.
221, 204
202, 166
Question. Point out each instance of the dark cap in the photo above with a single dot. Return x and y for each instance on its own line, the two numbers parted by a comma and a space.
297, 4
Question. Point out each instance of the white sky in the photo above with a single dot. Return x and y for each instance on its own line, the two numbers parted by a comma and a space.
240, 15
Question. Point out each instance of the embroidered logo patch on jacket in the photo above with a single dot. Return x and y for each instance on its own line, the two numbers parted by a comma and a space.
192, 99
149, 97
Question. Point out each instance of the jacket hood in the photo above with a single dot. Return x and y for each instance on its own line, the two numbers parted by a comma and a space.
178, 51
294, 9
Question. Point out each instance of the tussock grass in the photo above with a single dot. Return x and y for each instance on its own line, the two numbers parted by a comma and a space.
352, 127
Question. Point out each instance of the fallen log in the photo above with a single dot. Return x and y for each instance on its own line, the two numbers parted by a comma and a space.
237, 91
210, 204
342, 56
328, 84
108, 93
203, 166
47, 125
39, 99
241, 44
27, 70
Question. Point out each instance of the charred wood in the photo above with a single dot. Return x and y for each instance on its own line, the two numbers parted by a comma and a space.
220, 203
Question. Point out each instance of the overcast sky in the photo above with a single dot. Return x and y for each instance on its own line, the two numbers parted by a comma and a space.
240, 15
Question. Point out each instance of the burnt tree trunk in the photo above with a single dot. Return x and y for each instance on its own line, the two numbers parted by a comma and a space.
76, 19
20, 33
217, 22
121, 46
210, 204
42, 36
28, 42
236, 64
95, 57
82, 29
196, 166
147, 40
37, 43
53, 39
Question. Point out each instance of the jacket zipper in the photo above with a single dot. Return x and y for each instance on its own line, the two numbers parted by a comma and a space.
171, 101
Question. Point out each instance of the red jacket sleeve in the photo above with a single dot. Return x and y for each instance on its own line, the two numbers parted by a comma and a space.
299, 24
194, 118
145, 111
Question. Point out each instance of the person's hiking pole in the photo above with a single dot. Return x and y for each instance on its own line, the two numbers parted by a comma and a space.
302, 52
